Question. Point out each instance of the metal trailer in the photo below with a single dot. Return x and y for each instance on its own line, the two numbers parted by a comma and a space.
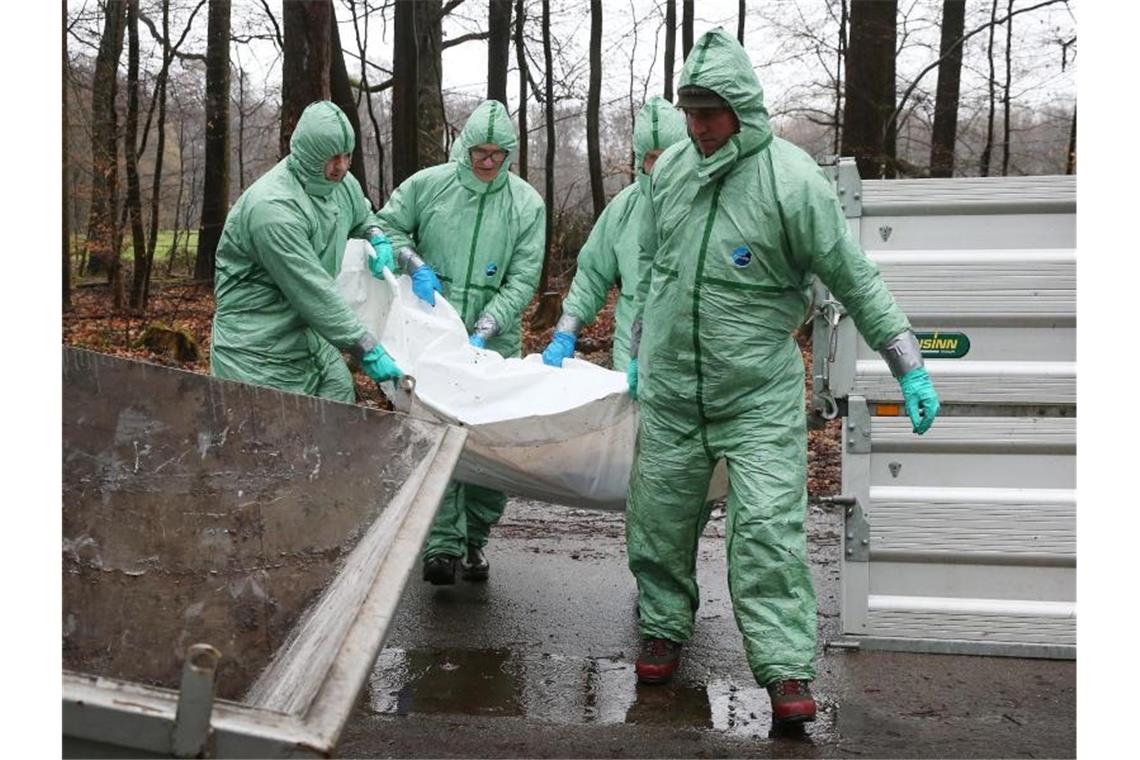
962, 540
232, 558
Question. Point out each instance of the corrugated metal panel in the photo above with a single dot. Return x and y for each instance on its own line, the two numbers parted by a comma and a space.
972, 433
962, 521
978, 195
967, 231
991, 287
973, 382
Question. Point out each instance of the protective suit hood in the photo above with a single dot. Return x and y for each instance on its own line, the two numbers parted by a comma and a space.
657, 126
719, 63
489, 123
323, 131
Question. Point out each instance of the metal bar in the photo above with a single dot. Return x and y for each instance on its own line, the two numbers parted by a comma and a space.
956, 646
191, 735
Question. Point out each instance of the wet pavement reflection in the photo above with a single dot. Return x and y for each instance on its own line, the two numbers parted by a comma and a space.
564, 690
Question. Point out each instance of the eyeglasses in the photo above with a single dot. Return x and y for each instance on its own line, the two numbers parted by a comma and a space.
479, 155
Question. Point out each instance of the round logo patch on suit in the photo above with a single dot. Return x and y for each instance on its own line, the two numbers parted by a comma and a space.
742, 257
492, 268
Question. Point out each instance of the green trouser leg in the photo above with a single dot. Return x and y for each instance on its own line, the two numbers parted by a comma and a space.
484, 508
333, 381
769, 578
665, 514
466, 514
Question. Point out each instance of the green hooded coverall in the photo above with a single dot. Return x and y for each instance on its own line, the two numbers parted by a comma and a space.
610, 252
279, 320
485, 241
728, 244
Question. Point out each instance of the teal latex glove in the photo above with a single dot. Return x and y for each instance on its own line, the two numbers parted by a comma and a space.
920, 398
381, 255
425, 284
561, 347
631, 377
477, 340
379, 366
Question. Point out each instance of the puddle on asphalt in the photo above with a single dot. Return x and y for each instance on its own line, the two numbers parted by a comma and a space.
556, 689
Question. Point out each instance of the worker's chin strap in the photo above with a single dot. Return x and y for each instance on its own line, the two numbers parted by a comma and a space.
568, 323
486, 326
408, 259
902, 353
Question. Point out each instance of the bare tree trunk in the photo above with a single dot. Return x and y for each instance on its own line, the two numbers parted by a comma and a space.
593, 106
405, 133
945, 131
178, 220
1005, 93
140, 292
65, 170
429, 76
686, 28
988, 149
101, 252
498, 49
868, 124
548, 56
360, 49
130, 147
840, 62
341, 92
1071, 162
305, 68
216, 187
241, 130
520, 55
740, 22
670, 46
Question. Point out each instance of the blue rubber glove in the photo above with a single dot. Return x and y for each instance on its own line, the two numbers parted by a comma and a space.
381, 255
477, 340
920, 398
631, 377
425, 284
379, 366
561, 347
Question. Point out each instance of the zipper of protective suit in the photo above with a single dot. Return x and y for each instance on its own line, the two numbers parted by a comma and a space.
467, 284
697, 279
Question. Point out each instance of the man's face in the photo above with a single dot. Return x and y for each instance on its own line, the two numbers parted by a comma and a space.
337, 166
486, 159
711, 127
650, 159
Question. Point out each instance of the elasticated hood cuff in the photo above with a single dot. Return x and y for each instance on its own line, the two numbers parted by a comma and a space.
323, 131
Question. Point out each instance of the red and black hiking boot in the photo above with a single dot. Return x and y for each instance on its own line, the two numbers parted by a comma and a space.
792, 703
657, 661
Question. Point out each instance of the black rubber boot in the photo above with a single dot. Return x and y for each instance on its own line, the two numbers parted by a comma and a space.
475, 566
440, 570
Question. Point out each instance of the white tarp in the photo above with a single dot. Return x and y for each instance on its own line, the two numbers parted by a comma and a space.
564, 435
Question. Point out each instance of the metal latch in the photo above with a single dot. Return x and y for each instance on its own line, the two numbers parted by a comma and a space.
831, 311
856, 528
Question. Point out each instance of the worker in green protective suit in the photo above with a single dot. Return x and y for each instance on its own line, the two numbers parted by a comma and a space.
736, 223
279, 320
610, 253
482, 231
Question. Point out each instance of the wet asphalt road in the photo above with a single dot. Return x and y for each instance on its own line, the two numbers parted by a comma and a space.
539, 663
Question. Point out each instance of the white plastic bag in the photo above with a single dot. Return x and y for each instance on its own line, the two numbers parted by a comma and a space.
564, 435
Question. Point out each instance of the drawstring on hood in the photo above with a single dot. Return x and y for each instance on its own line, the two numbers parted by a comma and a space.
718, 63
322, 132
657, 126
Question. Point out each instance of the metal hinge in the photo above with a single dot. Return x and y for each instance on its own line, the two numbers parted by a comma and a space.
856, 528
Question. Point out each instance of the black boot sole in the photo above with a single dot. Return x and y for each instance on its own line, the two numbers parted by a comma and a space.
476, 575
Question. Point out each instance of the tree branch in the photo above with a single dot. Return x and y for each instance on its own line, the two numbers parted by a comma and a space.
950, 51
273, 20
464, 38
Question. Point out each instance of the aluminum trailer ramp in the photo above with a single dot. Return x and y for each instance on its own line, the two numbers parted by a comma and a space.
232, 557
962, 540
